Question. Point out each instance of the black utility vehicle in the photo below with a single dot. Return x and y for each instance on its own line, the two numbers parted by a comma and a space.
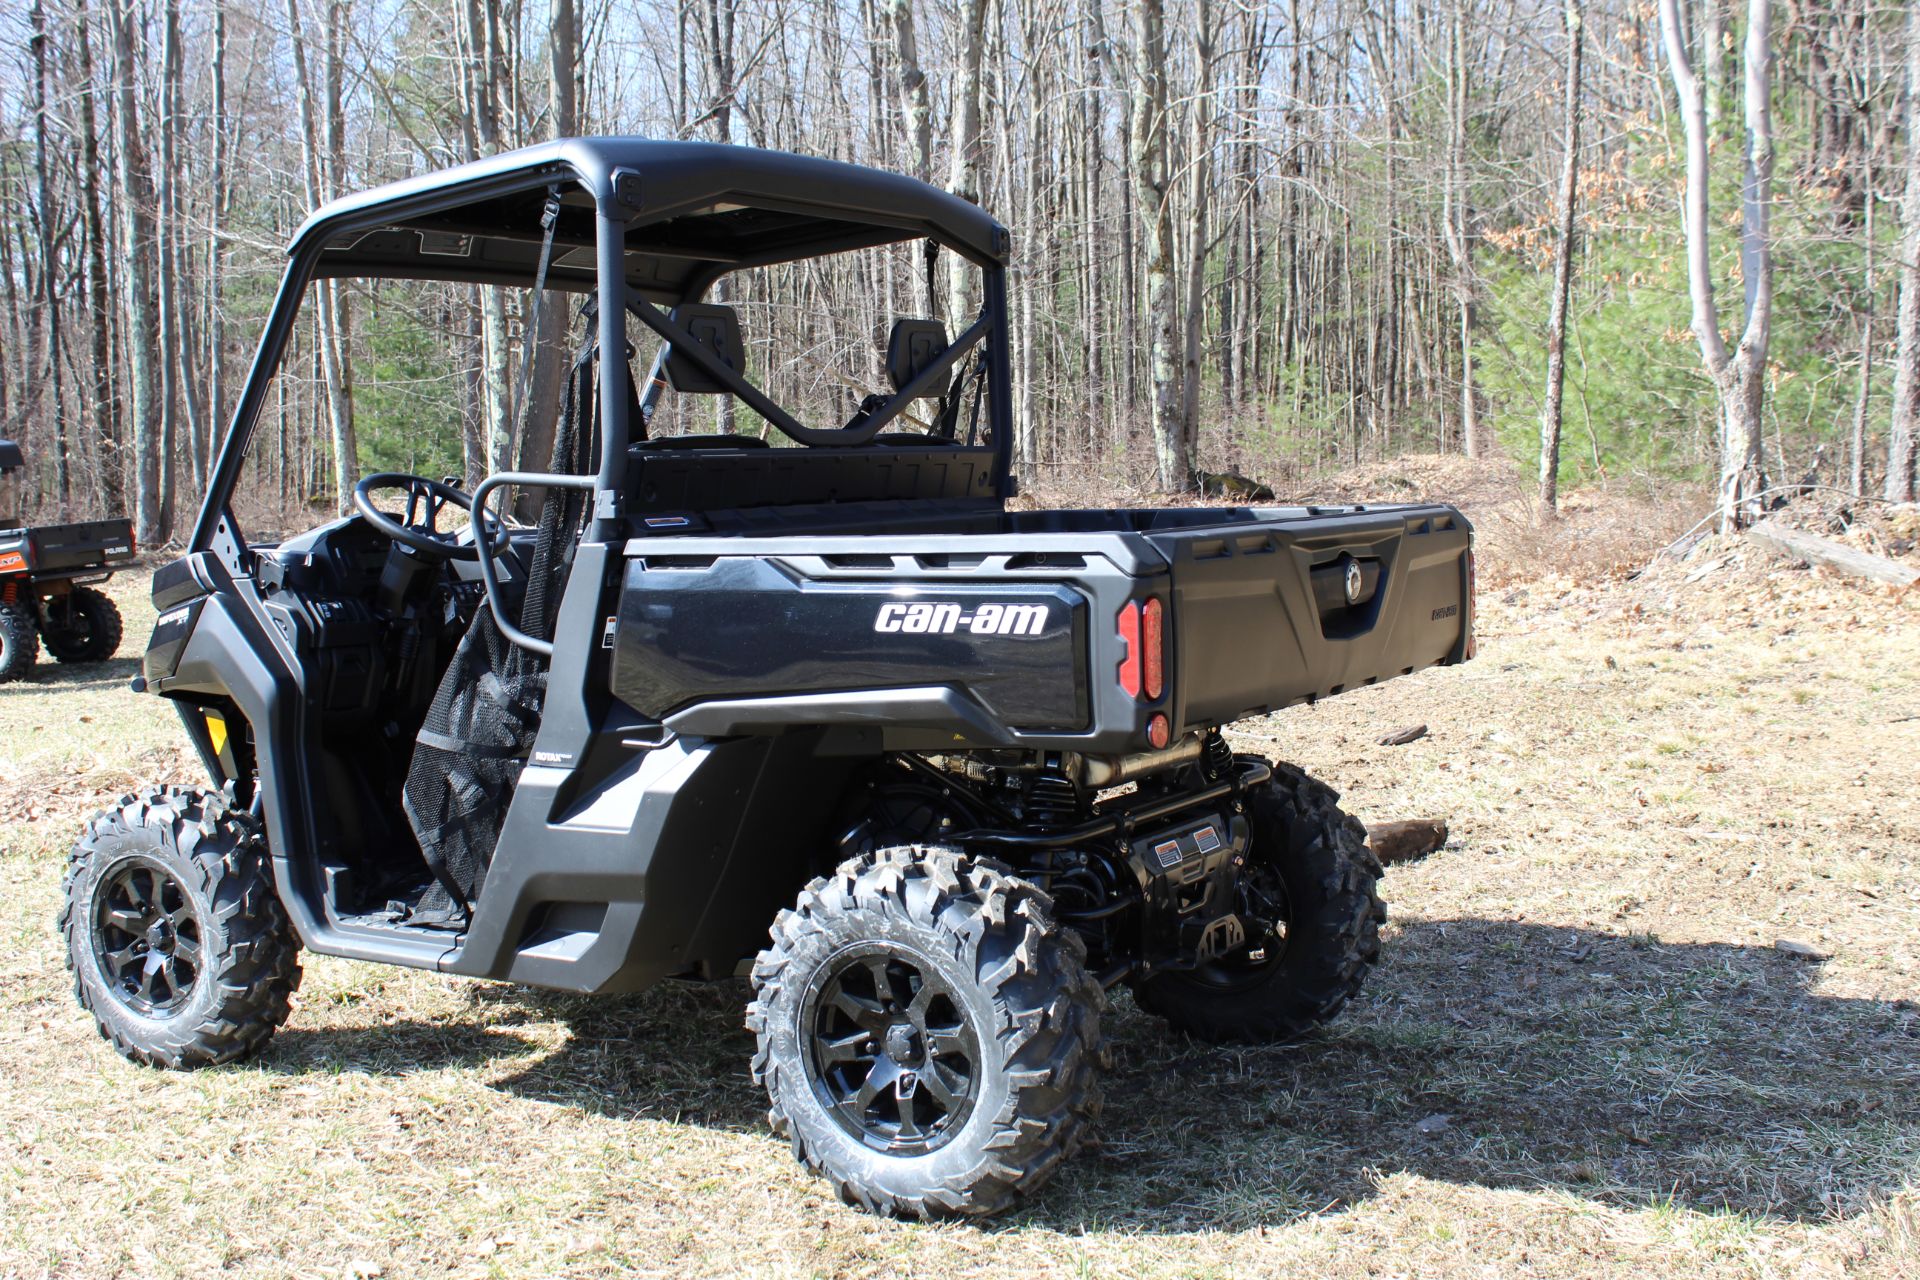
48, 575
966, 761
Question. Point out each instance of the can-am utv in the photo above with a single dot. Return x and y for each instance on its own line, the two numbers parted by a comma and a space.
933, 773
49, 582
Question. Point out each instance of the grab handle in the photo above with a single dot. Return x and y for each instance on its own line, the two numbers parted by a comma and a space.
496, 599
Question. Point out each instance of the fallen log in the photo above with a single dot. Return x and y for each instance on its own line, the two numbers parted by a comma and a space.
1409, 841
1833, 555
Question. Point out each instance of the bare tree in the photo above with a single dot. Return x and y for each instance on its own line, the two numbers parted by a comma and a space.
44, 215
1454, 219
1905, 428
151, 517
1739, 375
1203, 115
963, 178
103, 406
333, 317
1562, 270
1147, 145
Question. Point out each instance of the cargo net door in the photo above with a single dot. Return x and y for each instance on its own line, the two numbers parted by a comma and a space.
480, 727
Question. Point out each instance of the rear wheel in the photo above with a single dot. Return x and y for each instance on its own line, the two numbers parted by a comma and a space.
176, 938
81, 625
1310, 897
927, 1035
19, 641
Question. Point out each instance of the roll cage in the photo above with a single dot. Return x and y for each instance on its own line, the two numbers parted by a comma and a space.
643, 226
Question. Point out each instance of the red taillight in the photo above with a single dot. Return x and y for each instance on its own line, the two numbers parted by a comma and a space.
1153, 679
1129, 620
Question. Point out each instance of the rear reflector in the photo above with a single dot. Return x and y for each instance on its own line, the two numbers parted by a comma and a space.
1153, 646
1159, 732
1129, 621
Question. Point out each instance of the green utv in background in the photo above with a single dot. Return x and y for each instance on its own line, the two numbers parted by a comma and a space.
931, 773
48, 575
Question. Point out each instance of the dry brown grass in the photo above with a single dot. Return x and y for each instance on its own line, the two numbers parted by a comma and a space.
1649, 783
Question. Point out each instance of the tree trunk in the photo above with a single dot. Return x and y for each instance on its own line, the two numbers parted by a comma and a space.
917, 116
1904, 432
1455, 219
1864, 389
222, 203
1562, 272
1738, 376
49, 288
139, 246
540, 414
332, 320
1147, 142
1742, 471
963, 177
1199, 178
103, 406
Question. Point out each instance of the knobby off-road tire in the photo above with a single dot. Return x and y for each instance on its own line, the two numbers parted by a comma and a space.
177, 941
19, 641
84, 627
991, 1012
1329, 891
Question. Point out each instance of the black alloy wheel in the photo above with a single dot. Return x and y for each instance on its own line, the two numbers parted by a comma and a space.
927, 1033
893, 1057
175, 934
147, 938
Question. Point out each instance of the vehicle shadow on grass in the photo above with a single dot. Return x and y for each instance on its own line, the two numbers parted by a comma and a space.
1621, 1070
114, 673
1494, 1053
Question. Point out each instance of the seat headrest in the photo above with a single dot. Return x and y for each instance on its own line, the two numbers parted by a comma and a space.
715, 327
911, 347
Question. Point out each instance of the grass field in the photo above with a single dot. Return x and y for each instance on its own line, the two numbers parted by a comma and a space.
1583, 1054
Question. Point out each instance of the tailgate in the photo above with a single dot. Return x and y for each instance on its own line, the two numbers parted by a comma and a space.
92, 544
1297, 604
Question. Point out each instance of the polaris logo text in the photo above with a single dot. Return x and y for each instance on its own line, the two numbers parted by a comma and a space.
945, 619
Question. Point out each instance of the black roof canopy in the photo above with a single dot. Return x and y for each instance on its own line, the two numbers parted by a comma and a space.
696, 211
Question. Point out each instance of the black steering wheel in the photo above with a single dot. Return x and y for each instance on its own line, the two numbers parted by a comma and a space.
420, 529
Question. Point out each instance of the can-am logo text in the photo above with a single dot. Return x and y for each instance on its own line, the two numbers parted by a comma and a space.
945, 619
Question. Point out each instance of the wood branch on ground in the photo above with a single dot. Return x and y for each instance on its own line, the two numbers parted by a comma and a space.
1830, 554
1401, 737
1406, 841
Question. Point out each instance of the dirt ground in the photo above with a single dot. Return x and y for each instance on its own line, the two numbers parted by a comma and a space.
1585, 1052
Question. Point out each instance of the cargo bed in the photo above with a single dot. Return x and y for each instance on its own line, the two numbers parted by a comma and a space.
1257, 608
67, 550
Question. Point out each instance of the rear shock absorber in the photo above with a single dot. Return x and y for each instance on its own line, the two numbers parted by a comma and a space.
1052, 800
1218, 756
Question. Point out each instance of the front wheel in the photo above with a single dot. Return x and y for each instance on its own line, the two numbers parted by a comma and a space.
927, 1034
81, 625
1310, 897
175, 935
